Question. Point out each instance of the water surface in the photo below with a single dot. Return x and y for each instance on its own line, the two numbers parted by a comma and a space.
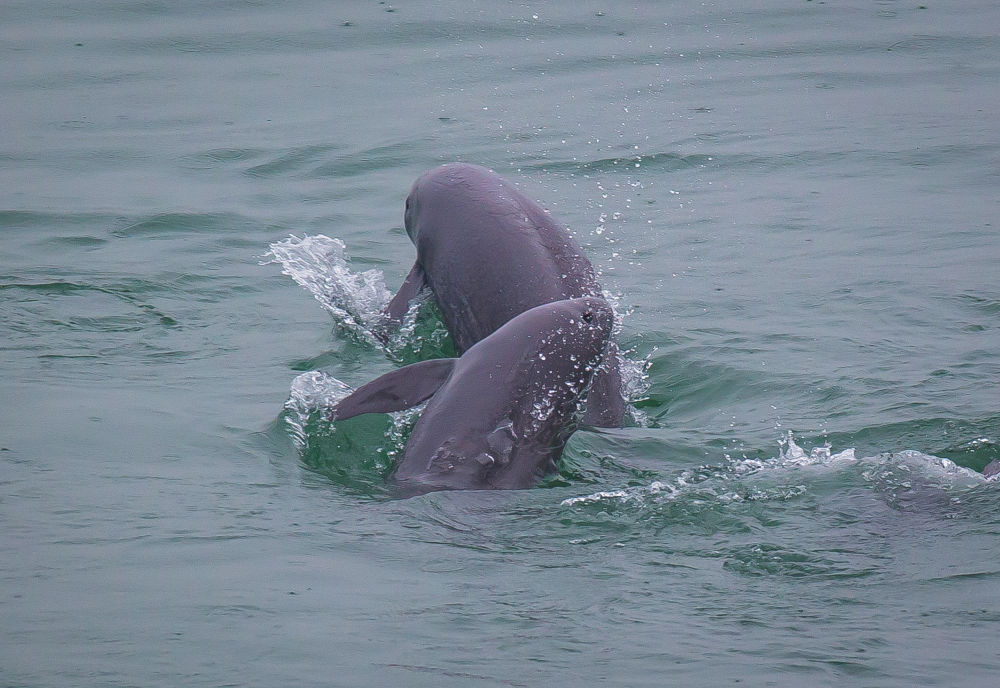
794, 203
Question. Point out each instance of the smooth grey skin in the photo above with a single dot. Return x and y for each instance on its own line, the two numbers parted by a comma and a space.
992, 468
489, 253
499, 416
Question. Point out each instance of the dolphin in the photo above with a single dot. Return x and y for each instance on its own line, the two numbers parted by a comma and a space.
500, 415
487, 252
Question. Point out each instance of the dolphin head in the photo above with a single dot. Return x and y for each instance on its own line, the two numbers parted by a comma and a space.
589, 323
434, 192
573, 337
506, 411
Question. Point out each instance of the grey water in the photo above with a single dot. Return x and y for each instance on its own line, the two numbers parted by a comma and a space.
794, 204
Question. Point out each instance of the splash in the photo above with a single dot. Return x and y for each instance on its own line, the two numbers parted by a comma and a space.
635, 384
421, 333
349, 453
320, 265
790, 455
789, 474
634, 372
397, 434
310, 393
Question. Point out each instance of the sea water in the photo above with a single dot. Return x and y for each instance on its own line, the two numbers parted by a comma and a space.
793, 205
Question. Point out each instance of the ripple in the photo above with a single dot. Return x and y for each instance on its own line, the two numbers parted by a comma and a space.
171, 224
768, 559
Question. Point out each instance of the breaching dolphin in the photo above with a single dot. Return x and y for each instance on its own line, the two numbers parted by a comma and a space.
500, 415
488, 253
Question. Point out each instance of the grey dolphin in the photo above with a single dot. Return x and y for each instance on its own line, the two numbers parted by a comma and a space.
499, 416
488, 253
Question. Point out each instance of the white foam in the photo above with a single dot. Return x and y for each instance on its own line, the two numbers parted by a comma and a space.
634, 373
310, 392
791, 455
725, 484
320, 265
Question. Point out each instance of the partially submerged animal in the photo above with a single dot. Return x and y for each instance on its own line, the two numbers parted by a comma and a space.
489, 253
500, 415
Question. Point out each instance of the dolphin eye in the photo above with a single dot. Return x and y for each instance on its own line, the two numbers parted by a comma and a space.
407, 202
588, 316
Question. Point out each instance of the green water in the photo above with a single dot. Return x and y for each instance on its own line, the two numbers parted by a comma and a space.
794, 201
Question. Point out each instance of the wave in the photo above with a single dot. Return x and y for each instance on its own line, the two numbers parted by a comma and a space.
790, 474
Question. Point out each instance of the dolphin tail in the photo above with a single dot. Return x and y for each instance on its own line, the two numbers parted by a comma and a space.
396, 390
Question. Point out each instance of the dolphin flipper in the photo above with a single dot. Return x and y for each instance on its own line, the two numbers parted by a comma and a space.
412, 285
396, 390
605, 400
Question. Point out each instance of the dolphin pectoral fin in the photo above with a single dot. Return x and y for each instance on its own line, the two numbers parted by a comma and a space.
395, 391
605, 403
412, 285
